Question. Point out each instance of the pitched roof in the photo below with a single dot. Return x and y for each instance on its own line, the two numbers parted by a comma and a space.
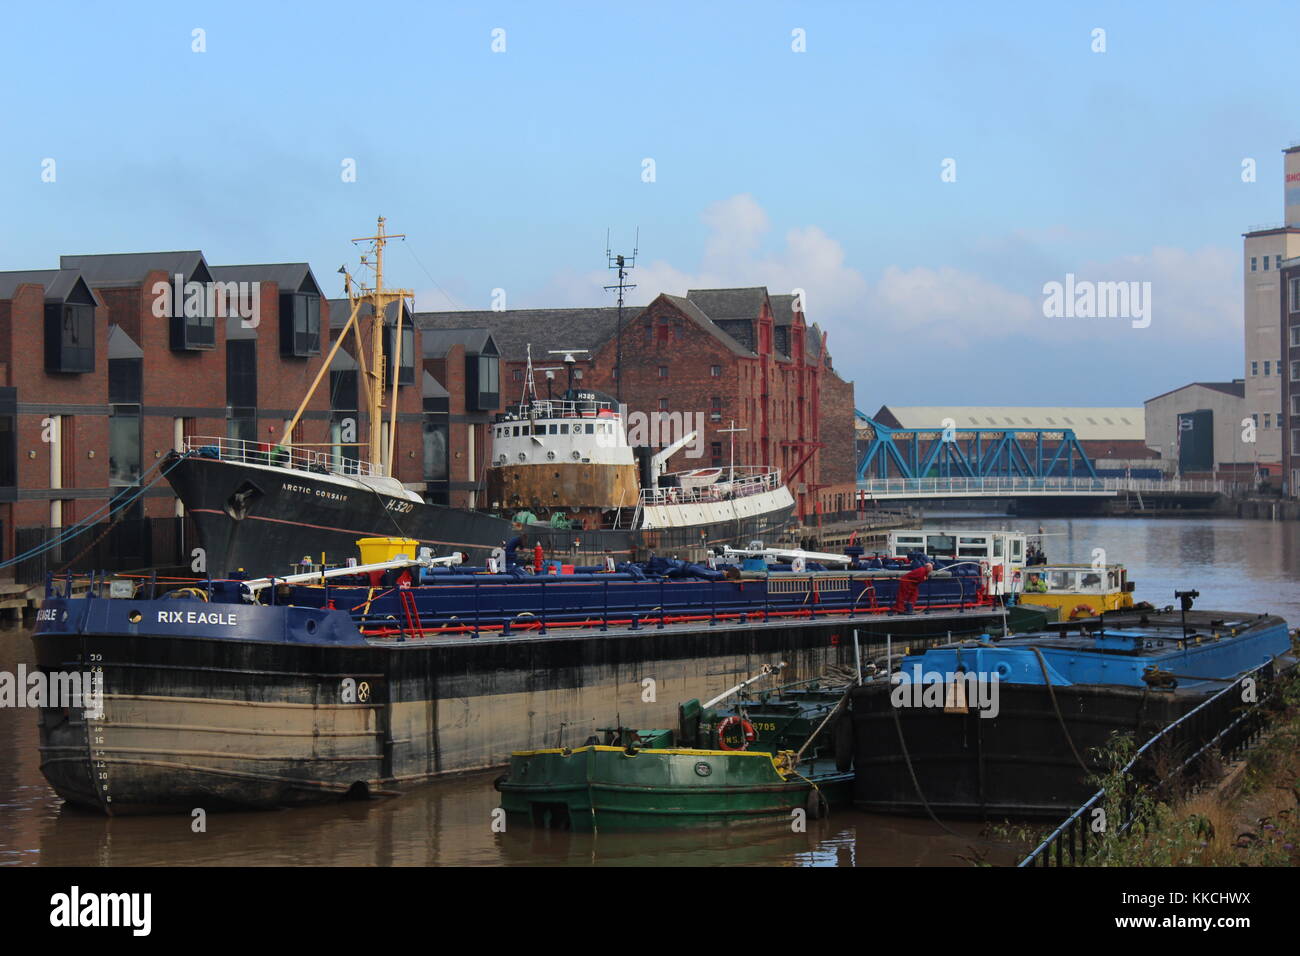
693, 311
287, 276
437, 342
545, 329
1237, 388
58, 283
130, 268
720, 304
782, 309
430, 387
1089, 424
121, 345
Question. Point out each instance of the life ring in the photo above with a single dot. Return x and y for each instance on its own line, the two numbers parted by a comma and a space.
1082, 610
746, 729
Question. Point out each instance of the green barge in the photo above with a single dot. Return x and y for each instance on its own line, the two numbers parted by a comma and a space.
759, 759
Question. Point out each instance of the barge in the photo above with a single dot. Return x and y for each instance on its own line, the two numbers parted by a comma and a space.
1014, 728
277, 691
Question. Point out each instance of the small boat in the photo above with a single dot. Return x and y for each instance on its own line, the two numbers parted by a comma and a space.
1014, 727
759, 758
1076, 590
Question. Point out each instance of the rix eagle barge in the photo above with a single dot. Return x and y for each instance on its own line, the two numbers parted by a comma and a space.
260, 693
258, 506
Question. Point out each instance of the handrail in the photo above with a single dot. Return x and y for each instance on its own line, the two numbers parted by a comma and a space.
295, 457
994, 485
1068, 828
742, 487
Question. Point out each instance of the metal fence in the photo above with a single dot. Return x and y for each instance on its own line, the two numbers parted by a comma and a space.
126, 545
1225, 721
994, 487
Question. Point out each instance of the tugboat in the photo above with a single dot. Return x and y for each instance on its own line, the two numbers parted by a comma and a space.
1011, 728
758, 759
361, 679
257, 505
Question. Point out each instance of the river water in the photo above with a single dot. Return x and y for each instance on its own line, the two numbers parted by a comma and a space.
1236, 565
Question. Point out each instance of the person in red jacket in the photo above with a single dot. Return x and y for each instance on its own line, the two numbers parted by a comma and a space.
909, 586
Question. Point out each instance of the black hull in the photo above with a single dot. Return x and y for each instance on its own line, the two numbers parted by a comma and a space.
1016, 765
232, 721
284, 516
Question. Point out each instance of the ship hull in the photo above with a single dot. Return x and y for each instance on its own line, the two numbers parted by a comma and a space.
264, 519
286, 705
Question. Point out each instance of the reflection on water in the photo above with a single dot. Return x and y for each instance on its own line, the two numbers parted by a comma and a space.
1236, 565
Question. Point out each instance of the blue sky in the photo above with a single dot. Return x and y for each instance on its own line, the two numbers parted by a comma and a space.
818, 170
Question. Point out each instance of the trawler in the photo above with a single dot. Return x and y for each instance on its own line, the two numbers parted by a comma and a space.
562, 476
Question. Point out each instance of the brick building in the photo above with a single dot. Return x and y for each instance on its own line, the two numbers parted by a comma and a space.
715, 356
104, 369
1289, 375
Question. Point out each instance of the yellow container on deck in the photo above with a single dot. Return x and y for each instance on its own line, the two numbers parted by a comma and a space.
378, 550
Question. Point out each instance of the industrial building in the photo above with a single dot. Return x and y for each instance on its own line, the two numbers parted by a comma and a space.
1197, 429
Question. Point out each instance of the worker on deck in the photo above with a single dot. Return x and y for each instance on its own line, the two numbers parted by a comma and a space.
909, 586
1035, 585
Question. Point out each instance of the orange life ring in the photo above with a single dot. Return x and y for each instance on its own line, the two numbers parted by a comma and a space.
746, 728
1082, 610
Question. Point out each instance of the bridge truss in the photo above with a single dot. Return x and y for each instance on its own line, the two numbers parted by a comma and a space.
886, 452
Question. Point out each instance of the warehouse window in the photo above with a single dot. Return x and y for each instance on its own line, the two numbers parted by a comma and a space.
299, 324
70, 338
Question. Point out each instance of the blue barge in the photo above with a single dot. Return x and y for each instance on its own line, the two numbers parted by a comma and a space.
1012, 728
231, 693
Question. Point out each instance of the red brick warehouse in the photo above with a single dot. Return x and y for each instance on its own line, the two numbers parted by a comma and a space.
728, 354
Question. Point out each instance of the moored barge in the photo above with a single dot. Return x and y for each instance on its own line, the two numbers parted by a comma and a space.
233, 693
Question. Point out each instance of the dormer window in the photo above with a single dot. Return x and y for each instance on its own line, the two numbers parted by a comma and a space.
300, 325
69, 338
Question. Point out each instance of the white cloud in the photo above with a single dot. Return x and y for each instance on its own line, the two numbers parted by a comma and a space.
1195, 293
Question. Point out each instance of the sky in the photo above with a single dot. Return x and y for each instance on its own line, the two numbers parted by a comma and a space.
922, 172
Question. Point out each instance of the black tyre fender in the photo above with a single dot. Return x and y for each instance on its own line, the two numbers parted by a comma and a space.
815, 804
496, 784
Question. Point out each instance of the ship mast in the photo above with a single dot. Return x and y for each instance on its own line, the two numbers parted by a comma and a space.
381, 452
372, 366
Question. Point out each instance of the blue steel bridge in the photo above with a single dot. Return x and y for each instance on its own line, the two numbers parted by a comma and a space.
913, 463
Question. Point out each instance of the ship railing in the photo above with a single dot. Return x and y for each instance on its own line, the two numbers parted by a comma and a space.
296, 457
1053, 485
554, 608
557, 408
749, 480
1232, 720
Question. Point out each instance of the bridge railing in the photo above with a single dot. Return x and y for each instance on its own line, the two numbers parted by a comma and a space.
1014, 486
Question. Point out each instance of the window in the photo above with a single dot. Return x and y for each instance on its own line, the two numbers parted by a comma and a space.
663, 404
8, 437
715, 371
1295, 408
517, 375
406, 373
1295, 294
1295, 371
241, 373
487, 372
715, 409
1252, 264
1266, 263
70, 338
1266, 419
715, 452
1295, 336
663, 371
1254, 368
192, 332
299, 324
124, 446
124, 380
435, 451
